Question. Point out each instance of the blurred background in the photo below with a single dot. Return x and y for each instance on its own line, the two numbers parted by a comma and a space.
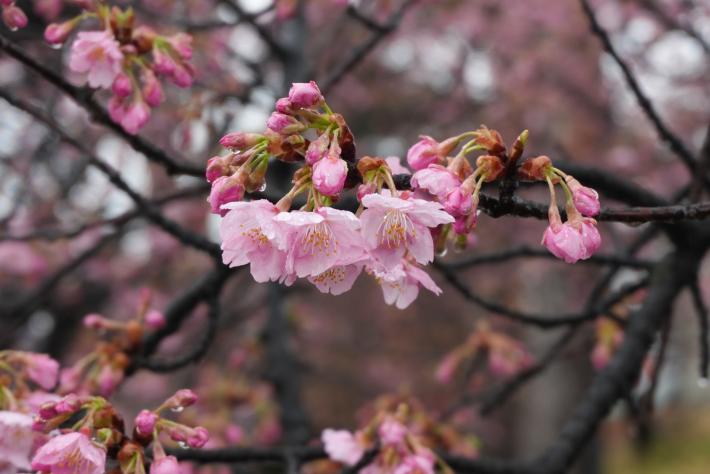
448, 67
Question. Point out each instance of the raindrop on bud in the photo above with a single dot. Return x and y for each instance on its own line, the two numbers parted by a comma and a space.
177, 409
182, 444
262, 188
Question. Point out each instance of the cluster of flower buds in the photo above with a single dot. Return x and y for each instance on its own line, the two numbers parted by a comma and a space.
12, 15
102, 371
503, 355
149, 425
578, 237
402, 439
394, 232
126, 59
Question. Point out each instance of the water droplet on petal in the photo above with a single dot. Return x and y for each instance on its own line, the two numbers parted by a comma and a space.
262, 188
183, 444
441, 253
177, 409
56, 45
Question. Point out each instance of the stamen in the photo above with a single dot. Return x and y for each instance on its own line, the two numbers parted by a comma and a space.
396, 228
318, 238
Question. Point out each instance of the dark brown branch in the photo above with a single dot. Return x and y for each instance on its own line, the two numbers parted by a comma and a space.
675, 144
701, 310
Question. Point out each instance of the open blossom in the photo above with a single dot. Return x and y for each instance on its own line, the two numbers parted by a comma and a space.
391, 226
423, 153
248, 233
436, 179
131, 114
98, 55
342, 446
395, 165
70, 453
316, 241
564, 242
16, 440
337, 279
400, 284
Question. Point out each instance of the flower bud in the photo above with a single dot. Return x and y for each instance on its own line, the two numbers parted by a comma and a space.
284, 106
329, 176
304, 94
489, 140
183, 398
145, 422
423, 153
154, 319
240, 140
166, 465
459, 201
217, 166
318, 149
586, 200
14, 17
122, 85
152, 90
284, 124
225, 189
534, 169
67, 405
57, 33
492, 166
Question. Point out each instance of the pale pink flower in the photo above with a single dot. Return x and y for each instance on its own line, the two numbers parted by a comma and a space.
392, 226
42, 369
420, 463
392, 432
316, 241
98, 55
342, 446
459, 201
248, 233
329, 175
564, 242
395, 165
16, 439
337, 279
436, 179
591, 239
304, 94
423, 153
400, 284
225, 189
166, 465
71, 453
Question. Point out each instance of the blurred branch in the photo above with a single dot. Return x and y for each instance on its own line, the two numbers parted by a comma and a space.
84, 98
675, 144
360, 52
146, 207
701, 310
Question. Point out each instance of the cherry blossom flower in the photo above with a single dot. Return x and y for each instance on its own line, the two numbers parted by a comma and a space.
225, 189
71, 453
317, 241
16, 439
165, 465
248, 233
342, 446
420, 463
14, 17
395, 165
98, 55
337, 279
586, 200
392, 226
423, 153
392, 432
437, 180
564, 242
400, 284
329, 175
145, 422
42, 369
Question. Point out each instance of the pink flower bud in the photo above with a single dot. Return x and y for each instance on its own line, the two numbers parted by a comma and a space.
447, 368
284, 124
122, 85
47, 411
304, 94
318, 149
198, 438
67, 405
108, 380
459, 202
423, 153
225, 189
13, 17
69, 379
586, 200
57, 33
284, 106
152, 90
145, 422
154, 319
240, 140
136, 117
436, 179
329, 176
93, 321
564, 242
365, 189
182, 43
217, 166
166, 465
183, 398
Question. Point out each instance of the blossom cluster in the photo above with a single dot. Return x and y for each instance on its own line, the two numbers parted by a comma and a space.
80, 432
125, 59
394, 231
399, 438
